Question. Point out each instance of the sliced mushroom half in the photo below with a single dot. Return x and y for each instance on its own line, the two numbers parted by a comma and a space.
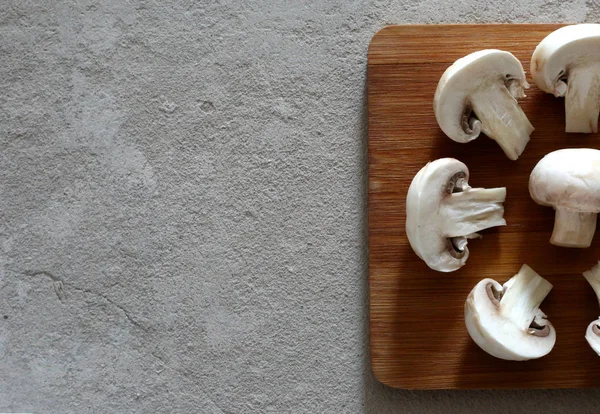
443, 212
478, 93
592, 334
567, 63
506, 320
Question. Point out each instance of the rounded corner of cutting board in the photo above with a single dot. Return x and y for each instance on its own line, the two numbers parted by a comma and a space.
377, 36
383, 377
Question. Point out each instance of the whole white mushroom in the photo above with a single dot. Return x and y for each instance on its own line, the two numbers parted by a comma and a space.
569, 181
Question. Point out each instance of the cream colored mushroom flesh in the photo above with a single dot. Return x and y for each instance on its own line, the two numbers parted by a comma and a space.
478, 93
443, 212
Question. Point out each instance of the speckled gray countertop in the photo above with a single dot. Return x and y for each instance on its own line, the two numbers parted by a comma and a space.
182, 207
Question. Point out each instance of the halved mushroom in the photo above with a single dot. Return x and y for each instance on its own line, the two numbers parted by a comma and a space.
478, 94
443, 212
569, 181
592, 333
567, 63
506, 321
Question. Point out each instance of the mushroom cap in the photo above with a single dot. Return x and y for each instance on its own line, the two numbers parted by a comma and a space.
568, 178
423, 201
475, 72
592, 336
561, 50
498, 335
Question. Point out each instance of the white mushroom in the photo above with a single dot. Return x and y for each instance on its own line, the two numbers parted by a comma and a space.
478, 94
505, 320
567, 63
592, 333
569, 181
443, 212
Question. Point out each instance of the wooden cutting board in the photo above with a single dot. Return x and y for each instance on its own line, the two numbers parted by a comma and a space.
418, 338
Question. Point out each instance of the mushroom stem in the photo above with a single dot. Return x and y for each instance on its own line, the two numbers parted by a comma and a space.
522, 296
573, 228
502, 119
593, 278
592, 333
582, 104
473, 210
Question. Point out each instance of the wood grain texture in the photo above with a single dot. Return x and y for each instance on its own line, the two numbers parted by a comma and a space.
417, 335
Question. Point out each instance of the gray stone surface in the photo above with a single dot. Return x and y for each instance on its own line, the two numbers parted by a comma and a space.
182, 206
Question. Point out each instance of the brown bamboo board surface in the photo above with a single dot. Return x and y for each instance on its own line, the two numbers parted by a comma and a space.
418, 339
